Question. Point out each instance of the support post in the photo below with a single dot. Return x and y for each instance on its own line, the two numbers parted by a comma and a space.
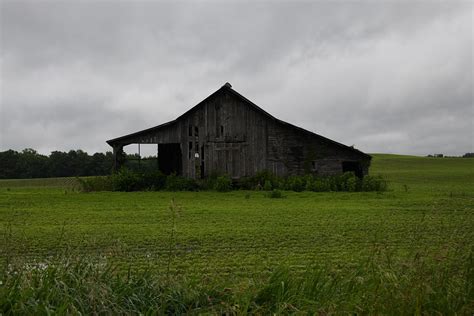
139, 156
118, 157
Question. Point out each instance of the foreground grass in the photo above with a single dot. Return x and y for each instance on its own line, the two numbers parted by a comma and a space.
68, 285
408, 250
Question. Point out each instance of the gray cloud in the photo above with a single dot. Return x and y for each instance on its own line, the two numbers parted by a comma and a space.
387, 77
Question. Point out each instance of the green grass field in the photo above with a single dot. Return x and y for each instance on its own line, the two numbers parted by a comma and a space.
237, 240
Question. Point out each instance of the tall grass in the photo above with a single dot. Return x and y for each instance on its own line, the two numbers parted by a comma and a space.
82, 285
417, 286
383, 283
90, 286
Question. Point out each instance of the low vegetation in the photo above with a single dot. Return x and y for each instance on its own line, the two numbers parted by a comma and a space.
128, 180
408, 250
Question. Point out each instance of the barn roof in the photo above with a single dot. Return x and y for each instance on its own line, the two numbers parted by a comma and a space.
228, 87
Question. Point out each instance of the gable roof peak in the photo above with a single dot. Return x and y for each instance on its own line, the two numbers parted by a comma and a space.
227, 85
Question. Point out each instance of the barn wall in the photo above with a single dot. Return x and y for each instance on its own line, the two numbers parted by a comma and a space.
295, 152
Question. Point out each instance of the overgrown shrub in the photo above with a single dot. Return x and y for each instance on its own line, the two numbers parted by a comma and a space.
208, 183
223, 184
318, 185
352, 184
295, 183
179, 183
274, 194
154, 180
259, 181
267, 186
127, 180
374, 183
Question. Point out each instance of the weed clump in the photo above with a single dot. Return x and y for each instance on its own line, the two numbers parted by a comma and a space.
274, 194
267, 186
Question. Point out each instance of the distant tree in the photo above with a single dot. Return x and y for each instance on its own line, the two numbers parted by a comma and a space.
99, 164
468, 155
31, 164
78, 162
58, 164
9, 164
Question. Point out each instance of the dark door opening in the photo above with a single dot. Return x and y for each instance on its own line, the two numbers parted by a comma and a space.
352, 166
169, 158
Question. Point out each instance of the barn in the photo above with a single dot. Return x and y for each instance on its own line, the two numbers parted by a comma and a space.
228, 134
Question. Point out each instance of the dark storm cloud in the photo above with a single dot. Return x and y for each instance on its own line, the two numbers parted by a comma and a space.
387, 77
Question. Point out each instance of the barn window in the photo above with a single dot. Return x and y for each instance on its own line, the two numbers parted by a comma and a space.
190, 149
313, 165
190, 130
222, 130
196, 131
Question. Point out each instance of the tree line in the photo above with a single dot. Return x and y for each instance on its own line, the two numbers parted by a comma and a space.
28, 163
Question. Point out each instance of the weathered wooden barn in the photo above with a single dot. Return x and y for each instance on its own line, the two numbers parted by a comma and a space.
228, 134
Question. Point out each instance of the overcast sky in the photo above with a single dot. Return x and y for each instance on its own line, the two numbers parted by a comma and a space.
393, 77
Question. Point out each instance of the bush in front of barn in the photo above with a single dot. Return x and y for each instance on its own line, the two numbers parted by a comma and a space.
262, 180
179, 183
223, 184
128, 180
154, 180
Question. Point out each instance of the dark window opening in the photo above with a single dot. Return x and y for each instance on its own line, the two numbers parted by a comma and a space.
352, 166
222, 130
190, 130
313, 164
196, 131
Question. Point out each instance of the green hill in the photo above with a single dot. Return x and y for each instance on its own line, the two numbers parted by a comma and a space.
424, 173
